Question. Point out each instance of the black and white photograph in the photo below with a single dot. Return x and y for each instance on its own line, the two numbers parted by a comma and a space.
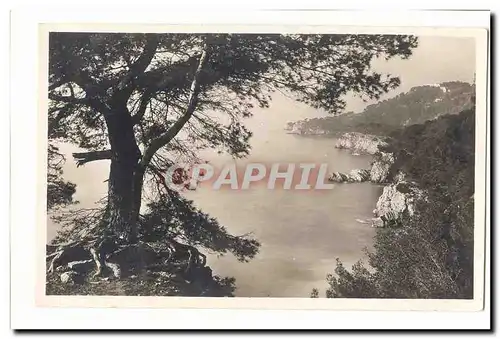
272, 169
267, 165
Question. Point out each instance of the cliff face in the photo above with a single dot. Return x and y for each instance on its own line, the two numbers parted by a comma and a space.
378, 172
360, 143
367, 144
397, 200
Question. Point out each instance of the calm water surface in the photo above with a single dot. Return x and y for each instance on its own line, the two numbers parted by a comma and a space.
301, 232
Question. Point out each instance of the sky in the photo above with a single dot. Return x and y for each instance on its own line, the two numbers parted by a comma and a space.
437, 59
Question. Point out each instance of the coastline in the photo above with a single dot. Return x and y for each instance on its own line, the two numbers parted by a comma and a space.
399, 196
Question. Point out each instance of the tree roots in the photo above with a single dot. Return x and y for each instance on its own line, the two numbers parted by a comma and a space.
76, 262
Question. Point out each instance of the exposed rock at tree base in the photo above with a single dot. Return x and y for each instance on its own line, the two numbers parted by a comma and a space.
162, 274
199, 281
360, 143
122, 260
82, 266
141, 263
71, 278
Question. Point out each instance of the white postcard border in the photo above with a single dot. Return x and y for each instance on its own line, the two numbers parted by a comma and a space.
21, 235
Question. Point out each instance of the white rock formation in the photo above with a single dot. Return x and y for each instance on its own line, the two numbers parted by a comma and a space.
70, 278
301, 128
356, 175
397, 199
360, 143
378, 173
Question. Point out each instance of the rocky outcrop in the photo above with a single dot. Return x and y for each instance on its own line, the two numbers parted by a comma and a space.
360, 143
71, 278
378, 173
397, 201
82, 266
356, 175
398, 198
357, 143
303, 128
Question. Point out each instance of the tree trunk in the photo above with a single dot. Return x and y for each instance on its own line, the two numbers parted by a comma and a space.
127, 172
121, 200
125, 178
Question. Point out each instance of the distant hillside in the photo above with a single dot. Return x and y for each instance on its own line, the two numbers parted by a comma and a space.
419, 104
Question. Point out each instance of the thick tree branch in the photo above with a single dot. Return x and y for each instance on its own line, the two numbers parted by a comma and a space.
140, 65
166, 137
126, 85
85, 157
93, 91
163, 77
146, 97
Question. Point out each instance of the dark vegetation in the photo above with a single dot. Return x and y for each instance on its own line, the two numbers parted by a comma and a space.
431, 254
416, 106
59, 191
